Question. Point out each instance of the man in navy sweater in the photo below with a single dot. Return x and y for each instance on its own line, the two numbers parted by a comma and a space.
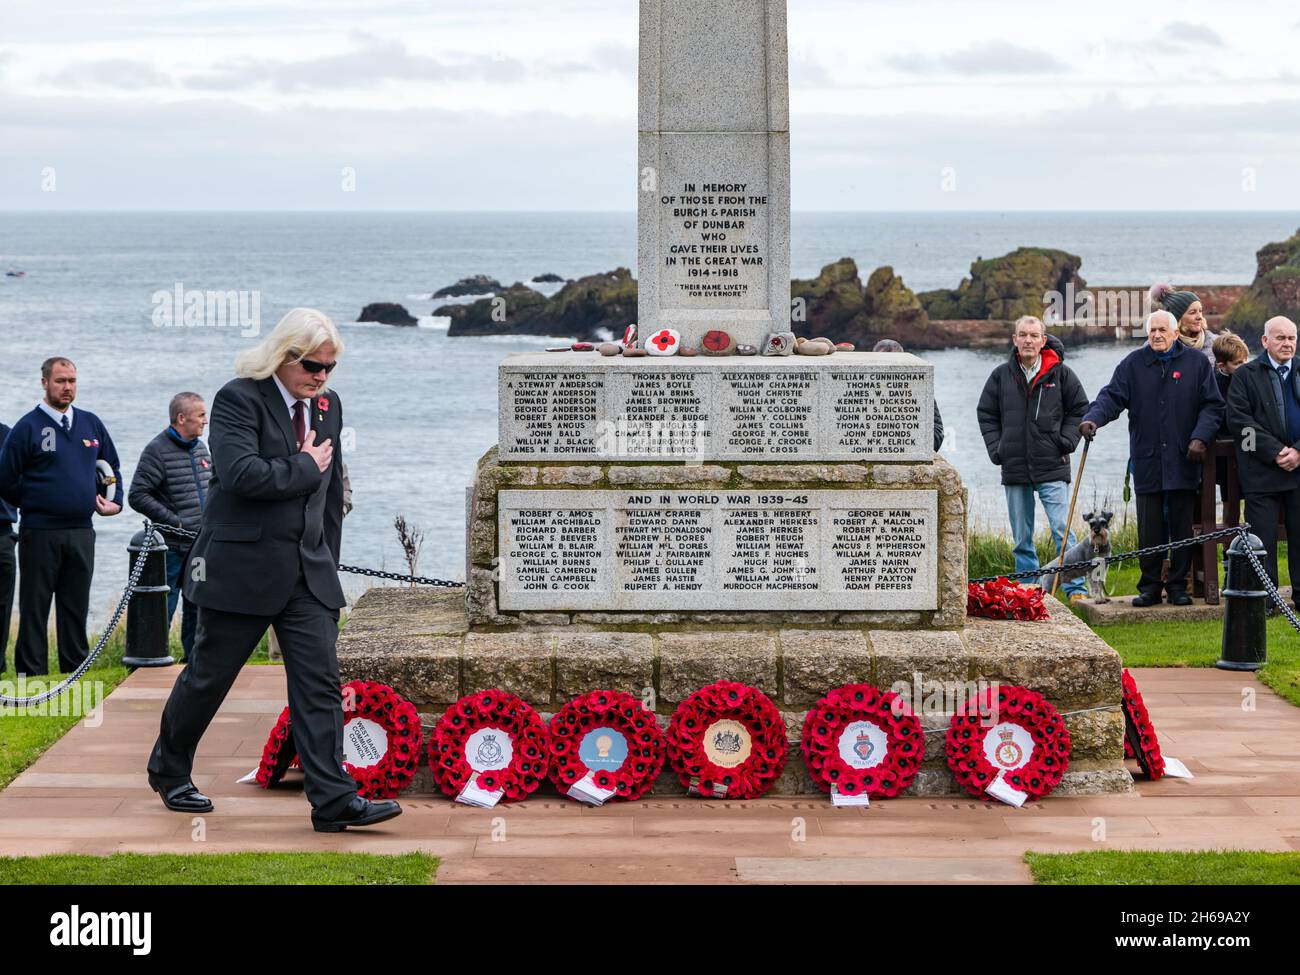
8, 565
48, 470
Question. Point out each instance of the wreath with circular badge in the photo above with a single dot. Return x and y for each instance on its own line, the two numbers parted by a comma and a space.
381, 739
493, 740
1140, 739
607, 739
1026, 745
859, 739
727, 741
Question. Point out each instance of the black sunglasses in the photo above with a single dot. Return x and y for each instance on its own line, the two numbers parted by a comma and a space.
313, 367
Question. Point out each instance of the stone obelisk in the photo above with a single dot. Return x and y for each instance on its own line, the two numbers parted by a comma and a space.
713, 214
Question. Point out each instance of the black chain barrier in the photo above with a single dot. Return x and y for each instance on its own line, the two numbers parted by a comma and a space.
354, 569
1051, 569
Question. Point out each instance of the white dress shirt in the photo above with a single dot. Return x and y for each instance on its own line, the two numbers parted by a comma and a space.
55, 415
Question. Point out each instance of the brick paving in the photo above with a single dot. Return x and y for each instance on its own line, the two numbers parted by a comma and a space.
88, 794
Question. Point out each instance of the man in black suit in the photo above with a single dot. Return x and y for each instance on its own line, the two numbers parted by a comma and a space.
267, 555
1264, 418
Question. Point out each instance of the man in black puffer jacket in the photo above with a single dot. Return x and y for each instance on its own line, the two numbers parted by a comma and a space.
169, 488
1029, 416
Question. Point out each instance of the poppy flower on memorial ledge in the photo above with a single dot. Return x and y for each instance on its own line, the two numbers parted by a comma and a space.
1002, 599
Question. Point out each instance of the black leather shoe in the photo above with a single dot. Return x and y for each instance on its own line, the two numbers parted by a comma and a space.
359, 812
1142, 600
182, 798
1179, 599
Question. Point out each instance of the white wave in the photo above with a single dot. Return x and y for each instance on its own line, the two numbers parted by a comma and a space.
427, 296
604, 335
463, 299
434, 322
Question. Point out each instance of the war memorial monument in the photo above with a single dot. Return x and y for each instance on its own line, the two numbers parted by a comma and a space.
653, 523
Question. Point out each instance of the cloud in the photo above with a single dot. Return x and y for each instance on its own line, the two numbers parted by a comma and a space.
988, 58
371, 62
1182, 33
119, 73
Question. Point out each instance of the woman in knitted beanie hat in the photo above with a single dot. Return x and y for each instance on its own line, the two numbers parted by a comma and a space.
1186, 307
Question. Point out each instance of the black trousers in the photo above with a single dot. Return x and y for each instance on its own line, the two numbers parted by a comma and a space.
53, 564
1156, 525
307, 630
1263, 511
8, 575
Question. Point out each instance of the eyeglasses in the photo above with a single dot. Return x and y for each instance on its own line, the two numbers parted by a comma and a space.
313, 367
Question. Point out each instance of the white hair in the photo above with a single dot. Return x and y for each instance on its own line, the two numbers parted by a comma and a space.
1173, 322
1027, 320
297, 334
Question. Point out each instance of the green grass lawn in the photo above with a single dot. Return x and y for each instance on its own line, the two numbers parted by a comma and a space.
221, 868
1142, 867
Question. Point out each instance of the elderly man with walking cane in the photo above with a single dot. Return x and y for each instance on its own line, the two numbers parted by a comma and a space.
1174, 410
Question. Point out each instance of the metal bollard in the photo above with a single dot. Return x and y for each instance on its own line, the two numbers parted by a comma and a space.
1245, 635
146, 614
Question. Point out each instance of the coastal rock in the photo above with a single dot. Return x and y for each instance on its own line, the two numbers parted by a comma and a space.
585, 306
479, 284
512, 310
387, 312
843, 310
1007, 287
550, 277
1275, 290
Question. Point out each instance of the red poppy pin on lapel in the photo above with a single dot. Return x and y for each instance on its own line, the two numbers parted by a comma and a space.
323, 405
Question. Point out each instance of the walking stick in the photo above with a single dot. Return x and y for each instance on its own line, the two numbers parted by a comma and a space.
1069, 519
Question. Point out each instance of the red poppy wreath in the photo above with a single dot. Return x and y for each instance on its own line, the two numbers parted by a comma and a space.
859, 739
1140, 739
277, 755
493, 741
607, 740
727, 741
1010, 733
1002, 599
381, 739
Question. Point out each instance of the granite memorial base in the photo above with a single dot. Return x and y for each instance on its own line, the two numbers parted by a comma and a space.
420, 642
656, 544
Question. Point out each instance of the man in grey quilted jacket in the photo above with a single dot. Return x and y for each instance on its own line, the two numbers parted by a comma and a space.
169, 488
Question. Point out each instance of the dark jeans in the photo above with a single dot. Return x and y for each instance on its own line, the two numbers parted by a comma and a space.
189, 612
1263, 511
54, 564
1165, 516
307, 630
8, 574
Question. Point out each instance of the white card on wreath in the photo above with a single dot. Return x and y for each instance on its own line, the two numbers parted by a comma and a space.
586, 790
250, 777
1001, 789
472, 795
840, 799
1177, 769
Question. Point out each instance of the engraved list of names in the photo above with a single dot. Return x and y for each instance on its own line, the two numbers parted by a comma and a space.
716, 550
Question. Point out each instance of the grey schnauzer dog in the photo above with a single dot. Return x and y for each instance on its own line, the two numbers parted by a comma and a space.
1095, 548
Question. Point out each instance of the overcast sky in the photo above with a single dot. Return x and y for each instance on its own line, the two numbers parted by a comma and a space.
506, 104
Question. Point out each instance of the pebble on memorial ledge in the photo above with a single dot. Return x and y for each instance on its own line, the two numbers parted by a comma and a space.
845, 347
666, 341
610, 348
717, 342
813, 347
746, 350
634, 353
688, 351
779, 343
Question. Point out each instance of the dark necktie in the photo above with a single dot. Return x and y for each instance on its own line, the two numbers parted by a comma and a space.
1282, 373
300, 422
67, 424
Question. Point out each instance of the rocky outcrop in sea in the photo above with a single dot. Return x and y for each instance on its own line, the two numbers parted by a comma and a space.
1275, 290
